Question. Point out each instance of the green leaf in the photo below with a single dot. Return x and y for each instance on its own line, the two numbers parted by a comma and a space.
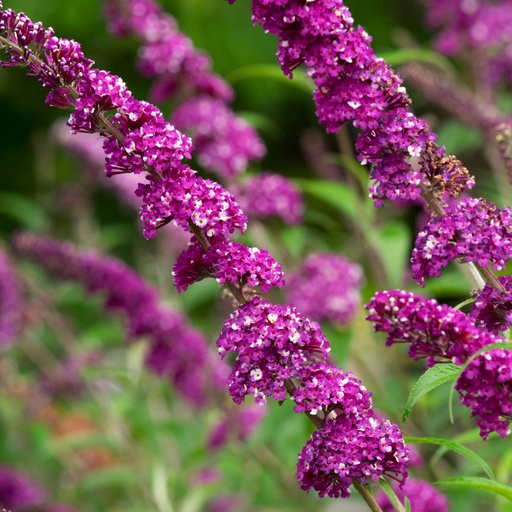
431, 379
392, 240
108, 478
24, 211
457, 448
397, 57
300, 80
339, 195
391, 495
474, 482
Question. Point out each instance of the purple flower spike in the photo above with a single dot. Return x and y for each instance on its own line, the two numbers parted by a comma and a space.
435, 332
493, 309
472, 230
325, 388
227, 261
422, 495
225, 143
342, 451
272, 343
326, 288
270, 195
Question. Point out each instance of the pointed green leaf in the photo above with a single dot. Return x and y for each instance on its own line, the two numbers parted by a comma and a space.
457, 448
336, 194
391, 495
474, 482
26, 212
431, 379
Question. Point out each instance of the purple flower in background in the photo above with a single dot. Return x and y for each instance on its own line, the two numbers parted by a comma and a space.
326, 288
272, 343
225, 143
270, 195
422, 495
343, 450
166, 54
227, 261
472, 230
493, 309
10, 303
175, 350
17, 491
240, 423
434, 331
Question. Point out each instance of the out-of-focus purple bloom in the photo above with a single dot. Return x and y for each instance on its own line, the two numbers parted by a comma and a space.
472, 230
239, 424
10, 303
272, 343
270, 195
227, 261
422, 495
343, 450
166, 54
326, 288
175, 350
225, 143
17, 491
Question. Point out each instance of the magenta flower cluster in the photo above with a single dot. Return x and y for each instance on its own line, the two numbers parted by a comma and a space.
352, 84
225, 142
175, 351
472, 230
332, 456
492, 309
443, 334
227, 261
267, 195
278, 351
167, 54
137, 138
10, 303
326, 288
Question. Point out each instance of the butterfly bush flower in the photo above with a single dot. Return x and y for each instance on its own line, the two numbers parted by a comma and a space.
17, 491
492, 309
225, 143
352, 84
175, 350
325, 388
270, 195
137, 138
344, 450
10, 303
441, 333
434, 331
326, 288
422, 495
227, 261
166, 54
472, 230
273, 343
